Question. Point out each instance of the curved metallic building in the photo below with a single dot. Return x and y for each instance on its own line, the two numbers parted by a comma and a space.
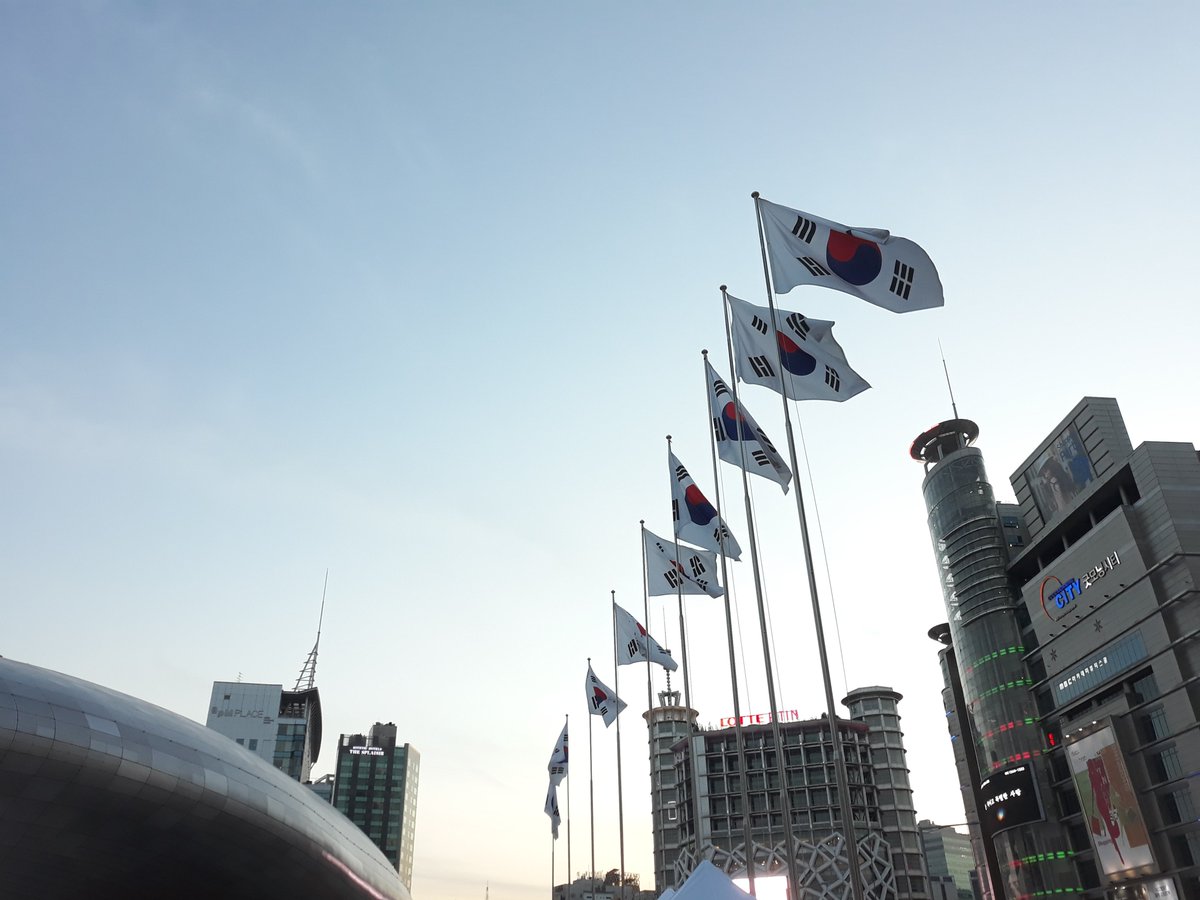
104, 795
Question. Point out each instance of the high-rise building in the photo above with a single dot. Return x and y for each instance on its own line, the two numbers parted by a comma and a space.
948, 854
283, 727
877, 708
1074, 618
876, 767
669, 722
375, 787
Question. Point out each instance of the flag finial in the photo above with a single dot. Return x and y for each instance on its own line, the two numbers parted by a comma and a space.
754, 194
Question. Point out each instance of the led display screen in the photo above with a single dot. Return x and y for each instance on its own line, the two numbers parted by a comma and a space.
1007, 799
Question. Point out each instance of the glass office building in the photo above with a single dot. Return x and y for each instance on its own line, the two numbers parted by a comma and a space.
375, 787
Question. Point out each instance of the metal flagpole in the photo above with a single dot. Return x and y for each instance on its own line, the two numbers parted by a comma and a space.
649, 688
568, 781
552, 866
591, 796
620, 784
687, 703
843, 778
733, 679
776, 734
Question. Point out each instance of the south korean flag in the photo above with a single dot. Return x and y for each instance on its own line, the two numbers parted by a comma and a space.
868, 263
801, 360
601, 700
674, 568
738, 435
696, 520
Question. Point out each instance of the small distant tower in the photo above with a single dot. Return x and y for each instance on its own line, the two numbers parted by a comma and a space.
669, 723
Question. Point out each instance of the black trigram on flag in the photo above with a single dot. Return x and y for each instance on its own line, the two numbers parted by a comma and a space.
674, 579
762, 439
799, 325
632, 648
719, 430
804, 229
675, 510
681, 473
832, 378
557, 770
760, 326
697, 566
721, 533
814, 267
759, 457
719, 387
902, 279
761, 366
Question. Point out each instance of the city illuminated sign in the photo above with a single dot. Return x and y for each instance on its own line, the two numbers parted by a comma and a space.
367, 751
785, 715
1057, 595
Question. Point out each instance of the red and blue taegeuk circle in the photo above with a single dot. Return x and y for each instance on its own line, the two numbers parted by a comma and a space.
853, 259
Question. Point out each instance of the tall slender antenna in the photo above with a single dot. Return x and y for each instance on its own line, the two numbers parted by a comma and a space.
953, 405
308, 672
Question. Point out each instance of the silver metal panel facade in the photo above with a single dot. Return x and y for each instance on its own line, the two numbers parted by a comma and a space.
103, 795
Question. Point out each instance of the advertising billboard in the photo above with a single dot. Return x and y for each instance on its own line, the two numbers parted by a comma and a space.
1060, 473
1109, 804
1007, 799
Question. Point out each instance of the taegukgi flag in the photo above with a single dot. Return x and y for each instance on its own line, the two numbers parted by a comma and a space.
671, 568
557, 767
602, 701
552, 809
634, 644
734, 428
868, 263
696, 520
809, 362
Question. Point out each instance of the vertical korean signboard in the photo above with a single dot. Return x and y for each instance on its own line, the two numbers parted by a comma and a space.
1109, 803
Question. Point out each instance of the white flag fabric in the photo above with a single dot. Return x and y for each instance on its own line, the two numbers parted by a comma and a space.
694, 572
868, 263
552, 809
634, 644
734, 427
814, 367
602, 701
696, 520
557, 767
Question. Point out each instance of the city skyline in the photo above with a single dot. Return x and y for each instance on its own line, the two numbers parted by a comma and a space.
414, 294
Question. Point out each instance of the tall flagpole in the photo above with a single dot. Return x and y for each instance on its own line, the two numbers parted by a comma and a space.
620, 784
748, 835
687, 703
649, 690
843, 777
591, 796
743, 778
568, 780
776, 735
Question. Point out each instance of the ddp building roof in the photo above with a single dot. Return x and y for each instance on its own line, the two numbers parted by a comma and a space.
104, 795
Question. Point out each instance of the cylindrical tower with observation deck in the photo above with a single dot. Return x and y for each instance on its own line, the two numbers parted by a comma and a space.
982, 608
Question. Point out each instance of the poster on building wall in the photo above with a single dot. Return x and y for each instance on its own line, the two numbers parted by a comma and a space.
1060, 473
1108, 803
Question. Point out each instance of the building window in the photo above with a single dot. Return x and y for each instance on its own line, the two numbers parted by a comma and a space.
253, 745
1177, 806
1153, 725
1166, 765
241, 742
1144, 688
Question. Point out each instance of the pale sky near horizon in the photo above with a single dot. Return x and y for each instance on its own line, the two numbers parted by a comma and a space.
413, 293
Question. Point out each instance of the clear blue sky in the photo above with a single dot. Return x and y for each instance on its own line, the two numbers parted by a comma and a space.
413, 292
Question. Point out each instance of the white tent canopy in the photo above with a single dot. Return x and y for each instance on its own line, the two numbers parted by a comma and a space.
707, 882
